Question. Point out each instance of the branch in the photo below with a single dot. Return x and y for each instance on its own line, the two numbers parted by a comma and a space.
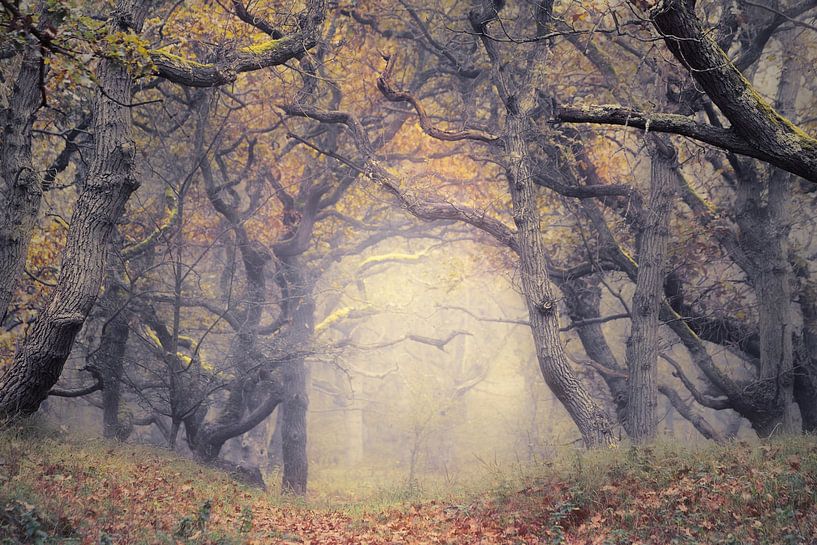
753, 119
273, 52
138, 248
427, 210
583, 191
752, 54
484, 319
607, 371
462, 388
660, 122
220, 433
378, 376
437, 343
213, 307
592, 321
79, 392
72, 145
258, 22
392, 94
693, 417
706, 401
153, 418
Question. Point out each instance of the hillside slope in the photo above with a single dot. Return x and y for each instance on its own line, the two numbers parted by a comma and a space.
63, 490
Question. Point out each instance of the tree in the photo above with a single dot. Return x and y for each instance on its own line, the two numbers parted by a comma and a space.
759, 249
38, 363
111, 180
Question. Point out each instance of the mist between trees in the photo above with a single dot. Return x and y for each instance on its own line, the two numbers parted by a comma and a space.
412, 237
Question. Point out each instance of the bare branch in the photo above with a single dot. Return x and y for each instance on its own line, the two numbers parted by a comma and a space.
660, 122
423, 209
693, 417
80, 392
392, 94
706, 401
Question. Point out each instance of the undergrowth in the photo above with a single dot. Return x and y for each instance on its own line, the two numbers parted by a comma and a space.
60, 489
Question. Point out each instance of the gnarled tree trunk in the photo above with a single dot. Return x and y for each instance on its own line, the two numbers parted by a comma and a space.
39, 361
22, 187
590, 418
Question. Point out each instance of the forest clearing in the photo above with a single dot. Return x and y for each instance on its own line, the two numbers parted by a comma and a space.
404, 271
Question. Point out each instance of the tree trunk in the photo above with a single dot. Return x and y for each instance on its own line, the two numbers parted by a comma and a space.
109, 355
774, 304
258, 389
642, 345
109, 359
592, 421
764, 231
582, 297
39, 361
22, 187
296, 400
805, 376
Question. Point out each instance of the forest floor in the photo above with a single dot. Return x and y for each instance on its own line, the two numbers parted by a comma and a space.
57, 489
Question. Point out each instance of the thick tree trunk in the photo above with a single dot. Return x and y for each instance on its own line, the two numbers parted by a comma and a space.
22, 187
764, 230
39, 361
773, 289
296, 400
590, 418
642, 345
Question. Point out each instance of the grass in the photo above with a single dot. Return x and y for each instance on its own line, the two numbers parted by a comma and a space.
59, 489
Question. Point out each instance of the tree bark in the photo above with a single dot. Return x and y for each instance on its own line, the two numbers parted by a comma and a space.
642, 344
763, 236
109, 359
751, 116
296, 399
582, 298
39, 361
590, 418
22, 187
